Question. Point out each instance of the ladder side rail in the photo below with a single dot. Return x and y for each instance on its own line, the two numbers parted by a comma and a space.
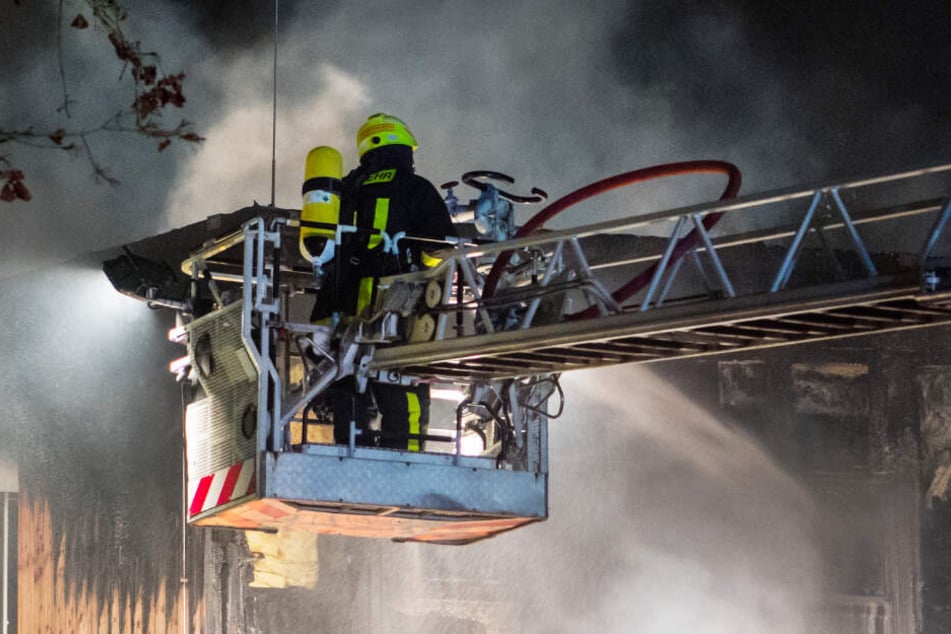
268, 305
254, 291
808, 223
744, 203
473, 252
788, 231
786, 270
709, 245
260, 290
466, 259
247, 313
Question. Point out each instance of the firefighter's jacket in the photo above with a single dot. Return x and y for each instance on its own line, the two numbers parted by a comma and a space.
384, 194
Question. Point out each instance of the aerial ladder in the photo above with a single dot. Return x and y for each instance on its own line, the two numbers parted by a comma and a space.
507, 310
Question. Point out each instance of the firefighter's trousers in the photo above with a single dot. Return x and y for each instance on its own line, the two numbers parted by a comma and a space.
404, 414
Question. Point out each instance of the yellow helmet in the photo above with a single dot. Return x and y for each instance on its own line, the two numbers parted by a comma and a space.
383, 129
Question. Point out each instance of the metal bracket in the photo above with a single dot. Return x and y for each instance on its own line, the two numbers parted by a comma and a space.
853, 233
785, 271
711, 251
935, 234
664, 261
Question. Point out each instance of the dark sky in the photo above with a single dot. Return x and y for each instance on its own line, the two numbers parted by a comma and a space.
855, 79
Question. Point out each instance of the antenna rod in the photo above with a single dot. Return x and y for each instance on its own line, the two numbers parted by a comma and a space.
274, 113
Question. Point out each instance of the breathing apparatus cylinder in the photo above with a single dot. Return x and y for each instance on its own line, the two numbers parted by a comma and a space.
323, 171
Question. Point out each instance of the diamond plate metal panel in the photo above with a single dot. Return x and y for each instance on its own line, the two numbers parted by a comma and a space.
406, 484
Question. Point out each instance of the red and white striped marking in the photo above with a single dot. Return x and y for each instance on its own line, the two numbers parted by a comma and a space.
221, 487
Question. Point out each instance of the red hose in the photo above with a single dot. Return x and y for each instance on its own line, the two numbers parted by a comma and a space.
628, 178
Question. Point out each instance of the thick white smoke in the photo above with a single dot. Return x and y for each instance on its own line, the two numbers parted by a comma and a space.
514, 90
233, 168
705, 532
520, 89
663, 520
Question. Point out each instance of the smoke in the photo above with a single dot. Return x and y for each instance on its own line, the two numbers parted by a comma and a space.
555, 96
707, 534
233, 167
94, 420
663, 520
558, 101
509, 88
467, 84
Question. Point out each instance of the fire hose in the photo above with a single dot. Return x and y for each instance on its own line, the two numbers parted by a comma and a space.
640, 280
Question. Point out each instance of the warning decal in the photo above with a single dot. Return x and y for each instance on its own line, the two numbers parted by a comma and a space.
221, 487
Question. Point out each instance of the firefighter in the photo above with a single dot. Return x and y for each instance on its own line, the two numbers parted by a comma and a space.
382, 194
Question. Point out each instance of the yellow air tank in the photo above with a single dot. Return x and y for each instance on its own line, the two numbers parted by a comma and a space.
323, 170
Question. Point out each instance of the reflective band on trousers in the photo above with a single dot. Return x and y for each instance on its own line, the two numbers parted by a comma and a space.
415, 411
380, 216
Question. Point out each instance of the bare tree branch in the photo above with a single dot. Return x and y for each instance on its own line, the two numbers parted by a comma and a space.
102, 175
153, 91
59, 57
